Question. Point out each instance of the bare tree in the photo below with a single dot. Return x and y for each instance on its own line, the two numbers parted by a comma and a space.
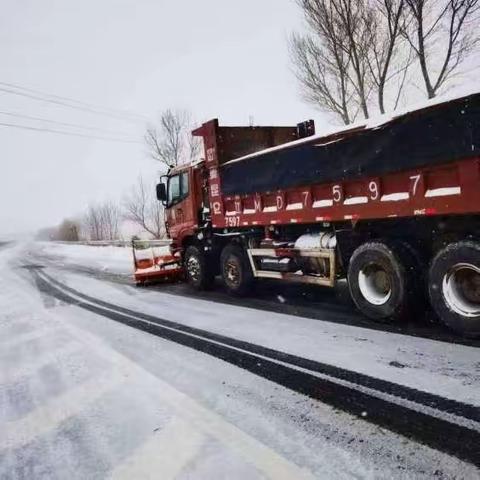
143, 209
322, 64
322, 73
110, 217
356, 50
443, 34
342, 59
101, 222
68, 231
93, 223
171, 142
388, 59
356, 24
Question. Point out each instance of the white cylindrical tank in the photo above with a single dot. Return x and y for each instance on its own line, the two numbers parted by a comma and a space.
316, 240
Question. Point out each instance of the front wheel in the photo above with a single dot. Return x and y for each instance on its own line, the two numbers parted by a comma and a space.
197, 269
454, 287
237, 273
385, 280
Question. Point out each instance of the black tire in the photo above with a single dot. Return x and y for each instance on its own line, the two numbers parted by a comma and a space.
236, 271
198, 272
454, 287
385, 280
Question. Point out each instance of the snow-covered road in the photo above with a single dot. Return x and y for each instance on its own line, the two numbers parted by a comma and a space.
206, 390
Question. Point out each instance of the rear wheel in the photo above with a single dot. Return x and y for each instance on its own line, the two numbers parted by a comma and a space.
198, 272
454, 287
236, 270
385, 280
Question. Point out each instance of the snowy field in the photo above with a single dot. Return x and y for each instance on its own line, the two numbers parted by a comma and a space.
84, 396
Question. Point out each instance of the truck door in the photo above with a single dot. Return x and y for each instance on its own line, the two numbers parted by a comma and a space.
180, 214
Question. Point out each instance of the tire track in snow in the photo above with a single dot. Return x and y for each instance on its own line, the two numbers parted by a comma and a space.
340, 388
390, 388
332, 308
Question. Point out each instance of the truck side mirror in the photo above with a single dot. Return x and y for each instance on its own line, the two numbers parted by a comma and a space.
161, 192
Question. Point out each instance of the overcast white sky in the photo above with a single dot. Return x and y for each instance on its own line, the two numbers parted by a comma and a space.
217, 58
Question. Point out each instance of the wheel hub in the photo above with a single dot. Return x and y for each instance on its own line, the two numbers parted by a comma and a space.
461, 289
374, 284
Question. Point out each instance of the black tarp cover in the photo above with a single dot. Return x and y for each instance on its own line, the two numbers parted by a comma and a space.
439, 134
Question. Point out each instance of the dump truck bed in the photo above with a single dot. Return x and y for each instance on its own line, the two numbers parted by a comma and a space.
425, 162
428, 137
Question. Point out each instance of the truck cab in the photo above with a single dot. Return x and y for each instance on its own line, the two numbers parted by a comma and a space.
181, 192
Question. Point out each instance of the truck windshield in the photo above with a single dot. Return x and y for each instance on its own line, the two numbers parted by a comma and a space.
177, 188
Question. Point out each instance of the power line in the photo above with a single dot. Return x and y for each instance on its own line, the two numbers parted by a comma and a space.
60, 132
65, 124
73, 100
70, 103
64, 104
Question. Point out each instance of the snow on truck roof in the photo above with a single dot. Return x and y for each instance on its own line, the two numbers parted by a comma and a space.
378, 121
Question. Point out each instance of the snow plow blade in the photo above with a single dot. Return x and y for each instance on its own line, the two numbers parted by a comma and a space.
153, 262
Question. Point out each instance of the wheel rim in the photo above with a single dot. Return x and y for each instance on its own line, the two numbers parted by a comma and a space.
374, 284
193, 268
461, 289
232, 272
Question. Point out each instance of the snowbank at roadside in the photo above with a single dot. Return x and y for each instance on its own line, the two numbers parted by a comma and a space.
109, 259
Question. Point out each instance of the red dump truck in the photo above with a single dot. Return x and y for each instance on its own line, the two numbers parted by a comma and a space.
392, 207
